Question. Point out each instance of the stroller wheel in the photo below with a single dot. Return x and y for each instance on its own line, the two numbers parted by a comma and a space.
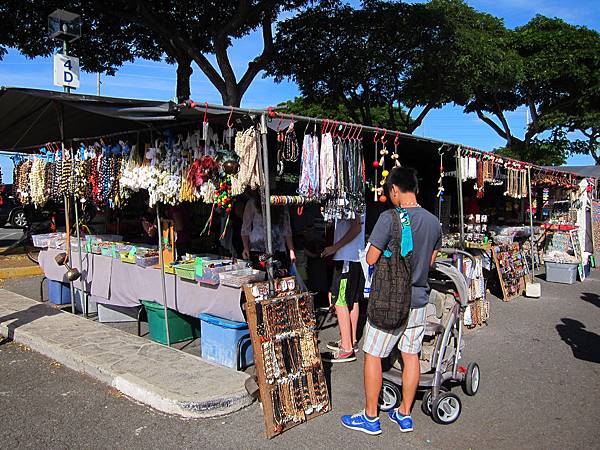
446, 408
426, 402
470, 383
390, 396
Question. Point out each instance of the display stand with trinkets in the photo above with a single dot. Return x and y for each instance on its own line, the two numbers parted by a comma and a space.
289, 371
512, 270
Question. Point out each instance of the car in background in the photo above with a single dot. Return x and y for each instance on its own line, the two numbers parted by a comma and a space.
14, 214
11, 211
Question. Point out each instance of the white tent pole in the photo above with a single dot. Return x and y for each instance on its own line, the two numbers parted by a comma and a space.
531, 224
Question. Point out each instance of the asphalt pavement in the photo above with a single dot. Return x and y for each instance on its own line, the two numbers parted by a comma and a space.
540, 385
9, 236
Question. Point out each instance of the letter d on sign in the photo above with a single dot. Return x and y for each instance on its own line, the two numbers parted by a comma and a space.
66, 71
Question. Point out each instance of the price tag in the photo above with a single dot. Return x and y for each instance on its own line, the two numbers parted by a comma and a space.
133, 251
113, 251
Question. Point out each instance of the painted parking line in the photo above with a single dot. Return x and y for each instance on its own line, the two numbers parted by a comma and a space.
14, 233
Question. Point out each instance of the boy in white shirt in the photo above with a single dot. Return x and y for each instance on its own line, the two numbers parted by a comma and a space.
347, 287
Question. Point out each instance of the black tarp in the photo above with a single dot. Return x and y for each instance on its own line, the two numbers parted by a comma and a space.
31, 117
582, 171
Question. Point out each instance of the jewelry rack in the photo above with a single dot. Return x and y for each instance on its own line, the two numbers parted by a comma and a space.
512, 271
289, 372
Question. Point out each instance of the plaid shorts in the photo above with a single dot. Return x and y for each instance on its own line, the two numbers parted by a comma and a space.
380, 343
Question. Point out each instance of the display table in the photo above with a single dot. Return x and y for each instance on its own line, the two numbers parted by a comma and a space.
112, 282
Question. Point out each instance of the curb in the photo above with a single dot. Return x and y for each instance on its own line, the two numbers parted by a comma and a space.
131, 385
19, 272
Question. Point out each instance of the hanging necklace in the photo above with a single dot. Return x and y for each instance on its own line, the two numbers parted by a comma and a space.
410, 205
290, 147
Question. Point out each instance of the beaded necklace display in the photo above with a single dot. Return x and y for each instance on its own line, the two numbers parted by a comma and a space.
246, 147
309, 172
326, 166
23, 185
347, 200
38, 182
287, 147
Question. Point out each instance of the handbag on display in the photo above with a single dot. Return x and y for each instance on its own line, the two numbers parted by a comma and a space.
391, 287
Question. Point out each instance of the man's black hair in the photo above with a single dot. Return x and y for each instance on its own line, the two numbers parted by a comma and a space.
404, 178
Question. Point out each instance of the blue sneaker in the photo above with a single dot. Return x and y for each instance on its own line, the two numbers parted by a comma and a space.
359, 422
405, 422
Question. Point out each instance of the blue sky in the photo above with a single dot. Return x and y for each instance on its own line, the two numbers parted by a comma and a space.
152, 80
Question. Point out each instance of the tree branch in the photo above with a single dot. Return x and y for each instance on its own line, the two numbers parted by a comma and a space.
408, 116
492, 124
223, 60
254, 67
500, 115
419, 120
167, 33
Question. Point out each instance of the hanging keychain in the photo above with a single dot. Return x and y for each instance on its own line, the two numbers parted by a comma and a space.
384, 172
395, 156
375, 187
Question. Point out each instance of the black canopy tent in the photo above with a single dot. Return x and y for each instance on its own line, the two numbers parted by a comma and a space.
582, 171
30, 118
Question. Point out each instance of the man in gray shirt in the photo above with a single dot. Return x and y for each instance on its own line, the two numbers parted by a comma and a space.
421, 234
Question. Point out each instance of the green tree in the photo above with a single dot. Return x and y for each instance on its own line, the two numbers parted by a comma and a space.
557, 79
399, 56
184, 31
302, 106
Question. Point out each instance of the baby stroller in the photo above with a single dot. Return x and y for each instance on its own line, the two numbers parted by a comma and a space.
442, 348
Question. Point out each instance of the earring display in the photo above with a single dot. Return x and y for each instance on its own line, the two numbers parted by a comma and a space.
512, 270
290, 374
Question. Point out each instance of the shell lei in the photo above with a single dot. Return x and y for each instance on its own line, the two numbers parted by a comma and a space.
37, 179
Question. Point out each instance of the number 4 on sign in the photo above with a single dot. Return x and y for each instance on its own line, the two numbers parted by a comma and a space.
66, 71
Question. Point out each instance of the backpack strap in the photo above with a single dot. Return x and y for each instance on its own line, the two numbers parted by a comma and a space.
405, 237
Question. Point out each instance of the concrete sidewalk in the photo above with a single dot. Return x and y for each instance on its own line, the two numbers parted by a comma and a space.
164, 378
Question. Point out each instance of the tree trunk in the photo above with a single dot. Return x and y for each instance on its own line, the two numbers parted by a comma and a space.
184, 73
232, 95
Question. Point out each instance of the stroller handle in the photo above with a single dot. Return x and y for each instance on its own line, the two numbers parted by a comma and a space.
457, 278
456, 251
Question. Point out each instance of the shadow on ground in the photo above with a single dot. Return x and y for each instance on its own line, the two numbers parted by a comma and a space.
592, 298
24, 317
584, 344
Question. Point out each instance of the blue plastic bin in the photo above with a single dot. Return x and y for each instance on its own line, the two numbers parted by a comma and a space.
58, 293
220, 340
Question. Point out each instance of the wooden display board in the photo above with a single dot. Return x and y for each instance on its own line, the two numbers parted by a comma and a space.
510, 264
289, 372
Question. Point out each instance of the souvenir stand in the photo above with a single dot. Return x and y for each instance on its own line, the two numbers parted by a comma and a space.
106, 149
495, 222
91, 170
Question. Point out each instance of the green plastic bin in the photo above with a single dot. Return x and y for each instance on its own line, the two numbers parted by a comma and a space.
181, 327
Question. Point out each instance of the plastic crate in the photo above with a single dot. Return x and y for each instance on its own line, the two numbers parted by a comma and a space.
59, 293
80, 306
115, 314
565, 273
238, 278
212, 273
225, 342
181, 327
186, 271
146, 261
44, 240
126, 257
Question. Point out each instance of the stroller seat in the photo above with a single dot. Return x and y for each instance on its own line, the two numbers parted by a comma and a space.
437, 316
